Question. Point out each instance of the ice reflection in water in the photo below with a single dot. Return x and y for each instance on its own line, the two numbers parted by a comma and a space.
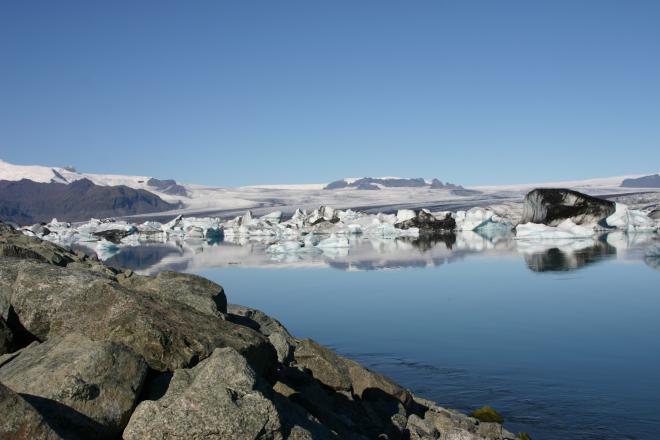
377, 254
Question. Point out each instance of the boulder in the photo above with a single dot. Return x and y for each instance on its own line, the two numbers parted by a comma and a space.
278, 336
20, 421
324, 365
368, 385
551, 206
655, 214
428, 224
14, 244
50, 300
83, 387
199, 293
220, 398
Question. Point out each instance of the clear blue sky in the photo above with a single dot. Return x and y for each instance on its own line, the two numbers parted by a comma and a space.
246, 92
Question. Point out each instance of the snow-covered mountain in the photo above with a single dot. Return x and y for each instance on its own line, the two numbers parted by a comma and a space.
378, 183
356, 193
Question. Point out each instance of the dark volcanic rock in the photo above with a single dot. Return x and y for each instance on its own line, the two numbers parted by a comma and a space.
551, 206
428, 224
81, 387
29, 202
20, 421
217, 399
652, 181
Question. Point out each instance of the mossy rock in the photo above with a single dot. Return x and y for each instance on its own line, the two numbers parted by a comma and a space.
523, 436
487, 414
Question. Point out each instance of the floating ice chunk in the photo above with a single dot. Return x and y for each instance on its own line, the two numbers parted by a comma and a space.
630, 220
273, 217
348, 216
333, 242
473, 218
247, 218
322, 213
354, 229
404, 214
283, 247
173, 224
565, 230
106, 249
311, 240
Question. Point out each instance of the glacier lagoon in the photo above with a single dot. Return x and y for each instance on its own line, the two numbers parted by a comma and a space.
561, 336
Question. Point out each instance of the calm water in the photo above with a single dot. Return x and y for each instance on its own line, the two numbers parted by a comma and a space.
562, 338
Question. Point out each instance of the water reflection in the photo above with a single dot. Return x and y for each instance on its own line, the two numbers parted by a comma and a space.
569, 257
379, 254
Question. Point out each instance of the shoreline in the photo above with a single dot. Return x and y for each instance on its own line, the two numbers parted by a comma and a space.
183, 347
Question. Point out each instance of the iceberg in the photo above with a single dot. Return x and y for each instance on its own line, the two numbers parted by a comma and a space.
630, 220
565, 230
333, 242
284, 247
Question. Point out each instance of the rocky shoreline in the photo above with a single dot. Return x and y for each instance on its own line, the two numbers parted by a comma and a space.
91, 351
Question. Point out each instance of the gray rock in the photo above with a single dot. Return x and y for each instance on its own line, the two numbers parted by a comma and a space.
197, 292
20, 421
324, 365
217, 399
276, 333
655, 214
453, 425
6, 337
84, 387
14, 244
368, 385
551, 206
421, 429
50, 301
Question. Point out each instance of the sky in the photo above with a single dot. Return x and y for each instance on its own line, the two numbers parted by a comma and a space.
251, 92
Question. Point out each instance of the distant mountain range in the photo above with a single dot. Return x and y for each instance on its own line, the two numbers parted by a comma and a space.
652, 181
376, 183
27, 202
35, 193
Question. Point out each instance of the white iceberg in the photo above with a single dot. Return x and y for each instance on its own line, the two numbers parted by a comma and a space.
333, 242
630, 220
565, 230
284, 247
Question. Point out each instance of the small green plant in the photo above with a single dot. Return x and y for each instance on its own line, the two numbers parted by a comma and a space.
523, 436
487, 414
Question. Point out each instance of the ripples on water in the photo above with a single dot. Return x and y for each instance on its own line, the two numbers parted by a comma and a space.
561, 337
